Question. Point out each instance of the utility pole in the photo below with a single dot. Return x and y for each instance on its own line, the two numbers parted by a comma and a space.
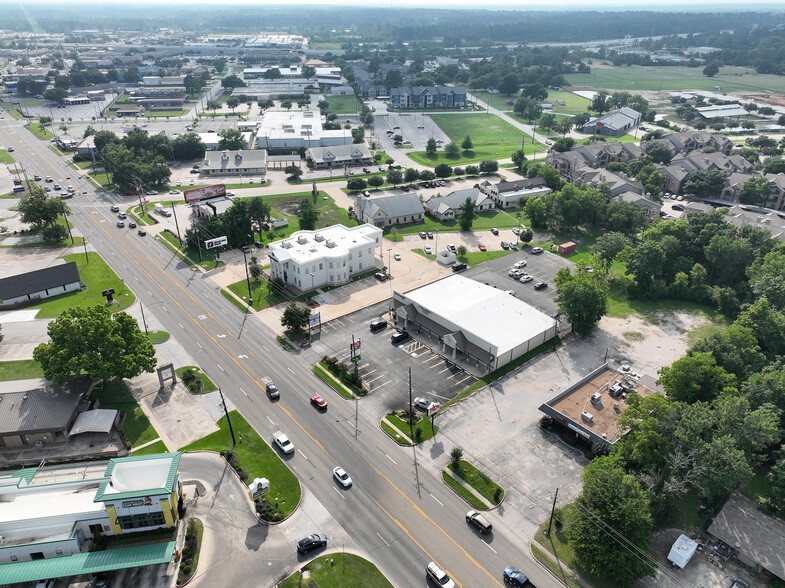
176, 224
228, 420
144, 322
411, 408
553, 508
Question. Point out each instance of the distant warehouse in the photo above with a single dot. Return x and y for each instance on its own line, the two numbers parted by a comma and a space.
474, 323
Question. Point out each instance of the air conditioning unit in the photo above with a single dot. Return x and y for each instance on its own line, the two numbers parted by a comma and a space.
596, 399
587, 417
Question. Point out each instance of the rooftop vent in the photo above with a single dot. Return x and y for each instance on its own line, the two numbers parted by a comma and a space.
318, 237
596, 399
587, 417
302, 239
330, 243
286, 244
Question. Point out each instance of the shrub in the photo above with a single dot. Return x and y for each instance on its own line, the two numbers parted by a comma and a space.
497, 495
418, 433
455, 456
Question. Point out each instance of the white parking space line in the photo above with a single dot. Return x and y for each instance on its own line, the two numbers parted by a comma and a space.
381, 385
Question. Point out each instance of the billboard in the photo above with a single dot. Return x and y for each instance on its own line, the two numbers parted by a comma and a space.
217, 242
204, 193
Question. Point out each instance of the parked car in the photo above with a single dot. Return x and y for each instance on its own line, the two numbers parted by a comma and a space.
459, 267
515, 273
423, 235
739, 583
430, 235
318, 401
520, 263
537, 250
310, 542
283, 443
495, 231
515, 577
679, 207
516, 231
451, 248
427, 249
397, 256
525, 278
380, 276
479, 522
342, 477
101, 580
399, 337
438, 576
378, 325
540, 285
505, 245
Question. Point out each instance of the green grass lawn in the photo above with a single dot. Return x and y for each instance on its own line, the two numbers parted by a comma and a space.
492, 492
573, 104
97, 276
136, 427
207, 383
261, 292
662, 78
257, 457
20, 369
464, 493
6, 157
101, 178
497, 101
758, 489
323, 373
492, 137
342, 105
475, 257
338, 570
35, 128
152, 449
157, 337
484, 222
402, 426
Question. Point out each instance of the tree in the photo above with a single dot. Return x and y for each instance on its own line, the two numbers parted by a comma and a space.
467, 143
356, 184
308, 71
187, 146
609, 245
611, 510
462, 251
307, 215
411, 175
213, 105
564, 144
599, 103
56, 95
776, 477
294, 172
489, 166
375, 181
452, 151
96, 342
695, 377
711, 70
456, 455
430, 147
233, 102
286, 104
659, 152
442, 170
394, 177
581, 298
40, 211
467, 215
231, 82
295, 318
755, 190
547, 121
393, 79
526, 235
535, 91
705, 183
509, 84
519, 158
527, 108
536, 211
472, 170
231, 140
358, 135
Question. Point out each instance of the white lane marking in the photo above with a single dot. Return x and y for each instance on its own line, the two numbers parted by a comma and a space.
489, 547
290, 369
436, 499
218, 364
220, 336
382, 538
181, 326
162, 306
241, 356
272, 422
200, 346
243, 391
392, 460
339, 493
301, 453
265, 348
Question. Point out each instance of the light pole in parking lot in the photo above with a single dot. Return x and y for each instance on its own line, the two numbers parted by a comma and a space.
389, 267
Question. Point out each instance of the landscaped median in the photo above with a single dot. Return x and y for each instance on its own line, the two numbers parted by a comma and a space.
322, 372
333, 570
252, 457
471, 484
406, 430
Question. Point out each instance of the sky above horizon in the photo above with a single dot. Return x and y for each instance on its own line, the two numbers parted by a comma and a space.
660, 5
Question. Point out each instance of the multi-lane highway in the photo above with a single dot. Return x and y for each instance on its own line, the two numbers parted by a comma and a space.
398, 513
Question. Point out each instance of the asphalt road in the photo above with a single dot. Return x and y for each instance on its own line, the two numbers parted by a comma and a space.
398, 512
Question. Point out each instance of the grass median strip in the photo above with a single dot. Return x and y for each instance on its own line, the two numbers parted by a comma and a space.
402, 433
338, 570
463, 492
331, 381
492, 492
256, 459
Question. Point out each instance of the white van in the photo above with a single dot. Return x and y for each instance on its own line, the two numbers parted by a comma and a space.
159, 208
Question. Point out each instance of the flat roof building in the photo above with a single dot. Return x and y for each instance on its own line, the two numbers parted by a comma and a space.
592, 406
474, 322
324, 257
233, 163
292, 130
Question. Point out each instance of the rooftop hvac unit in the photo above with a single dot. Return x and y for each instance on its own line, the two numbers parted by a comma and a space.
616, 407
587, 417
302, 239
330, 243
318, 237
286, 245
596, 399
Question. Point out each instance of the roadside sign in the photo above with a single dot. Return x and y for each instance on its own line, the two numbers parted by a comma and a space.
357, 358
217, 242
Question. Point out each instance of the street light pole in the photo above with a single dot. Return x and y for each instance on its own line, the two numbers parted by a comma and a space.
144, 322
389, 267
248, 280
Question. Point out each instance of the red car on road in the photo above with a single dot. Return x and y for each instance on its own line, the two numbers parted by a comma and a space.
318, 401
480, 246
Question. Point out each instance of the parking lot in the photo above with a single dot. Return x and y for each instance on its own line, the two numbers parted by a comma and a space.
384, 367
541, 267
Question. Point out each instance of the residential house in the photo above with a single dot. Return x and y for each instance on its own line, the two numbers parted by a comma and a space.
399, 209
617, 183
684, 164
449, 207
649, 207
428, 97
339, 155
614, 124
731, 191
776, 199
741, 215
508, 194
32, 287
688, 141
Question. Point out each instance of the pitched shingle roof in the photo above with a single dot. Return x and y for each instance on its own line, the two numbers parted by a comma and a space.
35, 281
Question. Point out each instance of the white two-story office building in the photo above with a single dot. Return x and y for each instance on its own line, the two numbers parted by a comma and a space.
325, 257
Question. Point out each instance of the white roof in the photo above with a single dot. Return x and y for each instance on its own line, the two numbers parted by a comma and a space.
683, 549
100, 420
334, 241
489, 314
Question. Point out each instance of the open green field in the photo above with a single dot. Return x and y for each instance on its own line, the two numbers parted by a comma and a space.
338, 570
257, 457
341, 105
492, 137
573, 104
663, 78
35, 128
6, 157
497, 101
97, 276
